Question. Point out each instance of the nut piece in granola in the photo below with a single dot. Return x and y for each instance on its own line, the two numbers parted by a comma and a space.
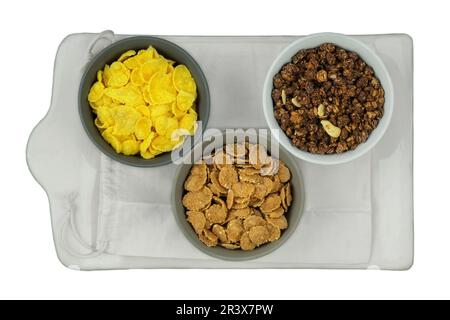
321, 110
331, 129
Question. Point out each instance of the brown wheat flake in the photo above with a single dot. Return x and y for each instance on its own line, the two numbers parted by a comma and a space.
197, 200
259, 235
220, 232
228, 176
272, 202
253, 221
280, 222
197, 220
246, 243
230, 199
234, 230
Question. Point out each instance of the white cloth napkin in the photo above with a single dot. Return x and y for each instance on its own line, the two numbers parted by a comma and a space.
135, 217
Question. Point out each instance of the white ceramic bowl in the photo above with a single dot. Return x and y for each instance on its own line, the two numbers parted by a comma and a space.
346, 42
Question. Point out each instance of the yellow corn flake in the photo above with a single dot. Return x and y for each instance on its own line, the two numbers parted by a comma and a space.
125, 137
136, 77
104, 101
118, 67
104, 116
145, 145
132, 63
159, 110
136, 97
185, 100
99, 124
143, 56
154, 54
119, 75
147, 155
143, 128
151, 67
146, 94
161, 123
94, 106
147, 142
176, 142
164, 125
161, 89
172, 125
100, 76
182, 79
193, 112
130, 147
96, 92
141, 92
154, 151
126, 55
106, 75
144, 110
125, 119
125, 95
162, 143
187, 122
177, 136
170, 68
112, 140
177, 112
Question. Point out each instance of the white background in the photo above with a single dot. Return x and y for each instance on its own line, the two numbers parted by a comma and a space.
31, 32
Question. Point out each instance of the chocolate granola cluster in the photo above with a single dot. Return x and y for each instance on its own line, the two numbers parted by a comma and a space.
327, 99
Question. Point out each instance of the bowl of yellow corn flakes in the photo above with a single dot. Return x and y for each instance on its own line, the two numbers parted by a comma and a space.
141, 98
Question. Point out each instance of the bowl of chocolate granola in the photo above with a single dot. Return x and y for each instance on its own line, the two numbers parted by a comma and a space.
328, 98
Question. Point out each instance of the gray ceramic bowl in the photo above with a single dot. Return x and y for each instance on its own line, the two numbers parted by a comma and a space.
293, 215
111, 53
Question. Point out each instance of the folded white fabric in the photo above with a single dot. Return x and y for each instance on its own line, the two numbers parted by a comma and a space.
135, 217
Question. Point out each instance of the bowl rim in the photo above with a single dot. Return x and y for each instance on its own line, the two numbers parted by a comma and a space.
143, 163
192, 238
284, 56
